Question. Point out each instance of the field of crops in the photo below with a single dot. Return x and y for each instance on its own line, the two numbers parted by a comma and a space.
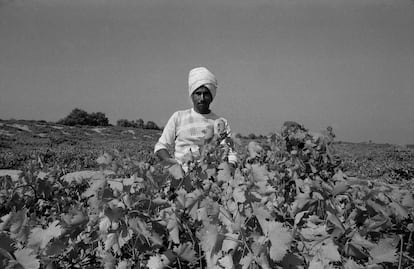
85, 197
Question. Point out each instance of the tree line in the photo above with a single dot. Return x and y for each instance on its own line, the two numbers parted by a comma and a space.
81, 117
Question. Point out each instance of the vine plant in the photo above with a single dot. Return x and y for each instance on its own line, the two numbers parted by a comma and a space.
287, 205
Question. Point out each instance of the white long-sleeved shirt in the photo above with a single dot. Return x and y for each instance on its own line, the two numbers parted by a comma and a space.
186, 130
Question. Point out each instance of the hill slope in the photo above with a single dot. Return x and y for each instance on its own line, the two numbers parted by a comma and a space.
77, 147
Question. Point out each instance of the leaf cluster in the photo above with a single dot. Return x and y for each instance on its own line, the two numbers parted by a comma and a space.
287, 205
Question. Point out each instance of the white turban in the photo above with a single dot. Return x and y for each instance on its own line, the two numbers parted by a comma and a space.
200, 76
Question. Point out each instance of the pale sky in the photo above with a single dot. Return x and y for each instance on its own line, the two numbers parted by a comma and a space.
344, 63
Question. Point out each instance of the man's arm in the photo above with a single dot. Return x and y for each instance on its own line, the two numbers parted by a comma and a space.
166, 140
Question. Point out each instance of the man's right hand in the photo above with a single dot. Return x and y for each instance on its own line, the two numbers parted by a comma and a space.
169, 162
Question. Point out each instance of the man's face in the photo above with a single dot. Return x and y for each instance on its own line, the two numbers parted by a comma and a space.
201, 100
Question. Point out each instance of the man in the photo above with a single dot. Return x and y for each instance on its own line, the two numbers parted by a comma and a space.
188, 129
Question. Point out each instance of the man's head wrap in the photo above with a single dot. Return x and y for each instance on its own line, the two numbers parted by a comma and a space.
200, 76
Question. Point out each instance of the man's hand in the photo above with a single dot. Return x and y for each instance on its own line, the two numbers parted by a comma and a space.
165, 158
169, 162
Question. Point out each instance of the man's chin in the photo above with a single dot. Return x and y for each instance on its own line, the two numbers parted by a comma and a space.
203, 108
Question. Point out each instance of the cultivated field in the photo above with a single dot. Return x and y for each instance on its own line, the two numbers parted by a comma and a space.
89, 197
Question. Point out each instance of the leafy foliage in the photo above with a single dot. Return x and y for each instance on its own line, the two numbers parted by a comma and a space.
287, 205
81, 117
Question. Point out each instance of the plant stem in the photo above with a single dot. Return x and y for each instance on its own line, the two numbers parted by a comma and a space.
401, 250
408, 257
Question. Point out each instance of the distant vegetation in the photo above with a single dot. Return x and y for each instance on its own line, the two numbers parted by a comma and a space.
81, 117
138, 124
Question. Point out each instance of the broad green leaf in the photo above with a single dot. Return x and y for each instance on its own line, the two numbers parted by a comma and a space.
192, 202
181, 198
224, 173
329, 252
123, 265
56, 247
176, 171
316, 263
173, 229
254, 149
41, 237
226, 218
105, 158
261, 214
19, 228
315, 232
75, 217
246, 261
376, 223
259, 173
300, 201
116, 185
264, 188
5, 221
108, 260
408, 200
339, 188
80, 176
14, 174
335, 222
186, 252
227, 262
259, 244
230, 242
104, 224
400, 212
27, 259
157, 261
114, 214
95, 187
358, 240
378, 208
384, 251
263, 261
139, 227
280, 239
292, 260
356, 251
6, 242
238, 195
210, 239
111, 241
351, 264
299, 217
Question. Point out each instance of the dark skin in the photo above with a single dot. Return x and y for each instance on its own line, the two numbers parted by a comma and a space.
202, 99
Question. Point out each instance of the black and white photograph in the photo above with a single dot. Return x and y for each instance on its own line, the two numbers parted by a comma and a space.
213, 134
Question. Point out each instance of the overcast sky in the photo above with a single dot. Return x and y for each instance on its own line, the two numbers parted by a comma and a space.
344, 63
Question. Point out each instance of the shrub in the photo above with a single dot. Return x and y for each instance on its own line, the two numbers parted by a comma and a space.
81, 117
251, 136
151, 125
124, 123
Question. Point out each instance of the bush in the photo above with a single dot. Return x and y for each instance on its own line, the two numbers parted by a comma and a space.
151, 125
251, 136
81, 117
124, 123
135, 124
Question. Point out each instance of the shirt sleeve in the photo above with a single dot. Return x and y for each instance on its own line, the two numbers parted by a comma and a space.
168, 135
